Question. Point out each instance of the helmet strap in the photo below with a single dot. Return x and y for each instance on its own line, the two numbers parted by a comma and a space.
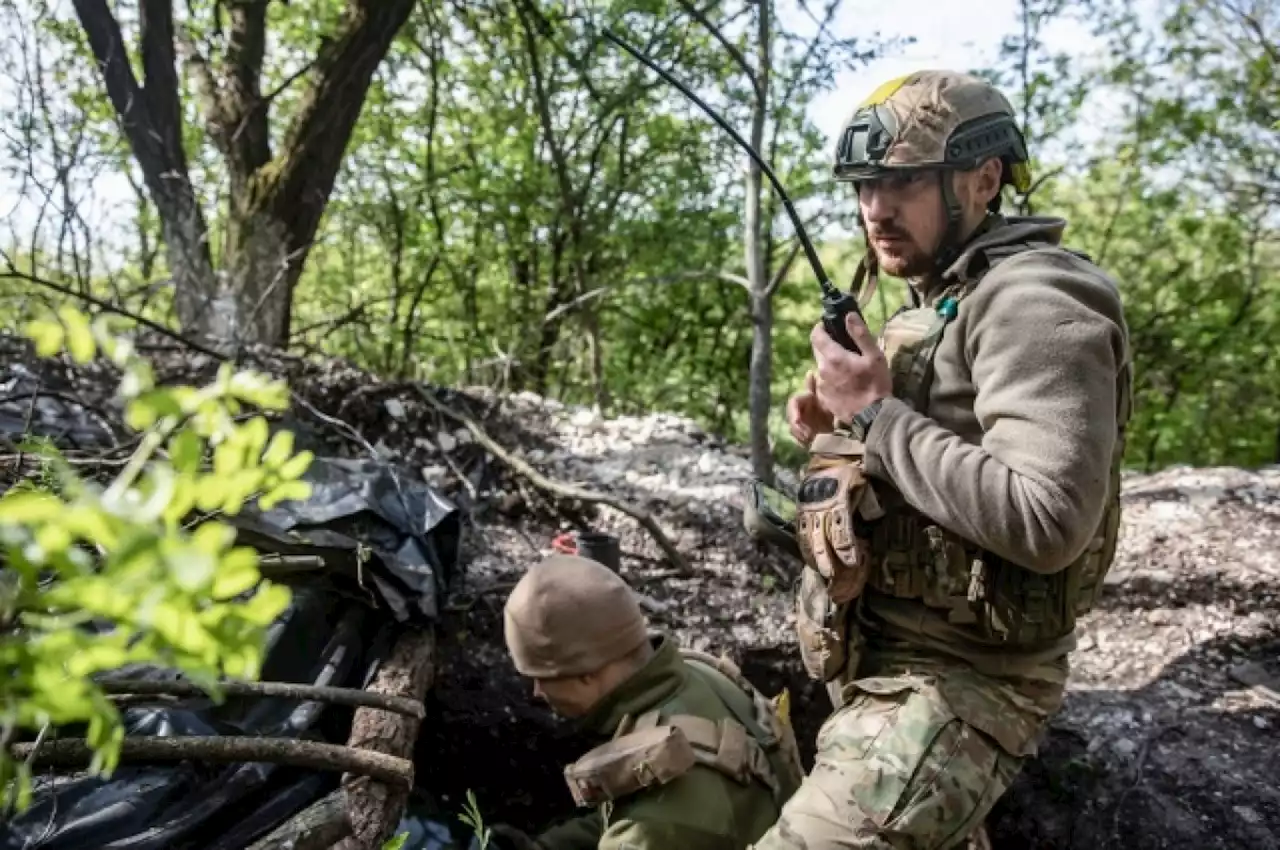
868, 268
951, 245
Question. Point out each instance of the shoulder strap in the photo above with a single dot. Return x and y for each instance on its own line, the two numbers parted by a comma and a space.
770, 732
724, 745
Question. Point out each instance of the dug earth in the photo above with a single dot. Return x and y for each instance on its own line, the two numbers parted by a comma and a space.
1168, 736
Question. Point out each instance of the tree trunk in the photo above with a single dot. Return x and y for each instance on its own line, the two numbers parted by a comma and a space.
276, 201
374, 808
760, 396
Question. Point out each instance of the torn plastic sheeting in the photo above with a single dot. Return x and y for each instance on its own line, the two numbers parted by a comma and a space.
192, 806
359, 507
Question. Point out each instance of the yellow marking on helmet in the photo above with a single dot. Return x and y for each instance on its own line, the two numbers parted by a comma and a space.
885, 91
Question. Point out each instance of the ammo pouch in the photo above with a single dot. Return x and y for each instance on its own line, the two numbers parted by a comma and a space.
629, 763
836, 515
653, 753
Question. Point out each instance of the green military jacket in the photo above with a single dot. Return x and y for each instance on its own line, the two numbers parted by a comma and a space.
702, 809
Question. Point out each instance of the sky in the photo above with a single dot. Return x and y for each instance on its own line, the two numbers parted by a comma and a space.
949, 34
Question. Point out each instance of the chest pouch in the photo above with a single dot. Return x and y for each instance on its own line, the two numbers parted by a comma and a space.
630, 763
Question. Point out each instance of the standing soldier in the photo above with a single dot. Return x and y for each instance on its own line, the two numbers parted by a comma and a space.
694, 756
961, 503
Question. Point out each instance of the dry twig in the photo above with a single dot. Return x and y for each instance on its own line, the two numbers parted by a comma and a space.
560, 488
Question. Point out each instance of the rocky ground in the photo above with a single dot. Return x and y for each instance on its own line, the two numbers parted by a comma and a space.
1168, 735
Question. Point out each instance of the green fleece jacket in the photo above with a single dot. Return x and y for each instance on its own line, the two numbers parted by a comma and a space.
1014, 448
701, 810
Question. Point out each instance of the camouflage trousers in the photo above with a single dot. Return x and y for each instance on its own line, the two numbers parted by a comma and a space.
915, 760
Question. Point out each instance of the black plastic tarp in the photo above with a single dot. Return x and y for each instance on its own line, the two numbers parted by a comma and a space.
390, 546
383, 535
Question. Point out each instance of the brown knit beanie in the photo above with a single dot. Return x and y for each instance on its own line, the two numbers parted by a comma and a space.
570, 615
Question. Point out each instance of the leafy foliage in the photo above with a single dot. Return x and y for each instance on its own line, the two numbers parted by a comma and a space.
524, 206
97, 577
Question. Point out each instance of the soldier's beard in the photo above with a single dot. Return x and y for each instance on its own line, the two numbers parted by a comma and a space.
901, 256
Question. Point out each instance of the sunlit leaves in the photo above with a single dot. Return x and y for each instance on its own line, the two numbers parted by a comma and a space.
158, 585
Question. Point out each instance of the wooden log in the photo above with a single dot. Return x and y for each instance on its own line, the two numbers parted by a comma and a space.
319, 826
374, 808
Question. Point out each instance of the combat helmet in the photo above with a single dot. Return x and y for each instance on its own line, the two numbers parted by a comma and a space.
933, 120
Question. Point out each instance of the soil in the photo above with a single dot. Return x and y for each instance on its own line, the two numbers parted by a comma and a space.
1166, 740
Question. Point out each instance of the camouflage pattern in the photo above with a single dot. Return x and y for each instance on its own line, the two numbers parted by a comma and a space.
930, 118
916, 757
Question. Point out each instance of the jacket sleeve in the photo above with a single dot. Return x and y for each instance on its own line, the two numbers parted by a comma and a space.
1045, 342
580, 833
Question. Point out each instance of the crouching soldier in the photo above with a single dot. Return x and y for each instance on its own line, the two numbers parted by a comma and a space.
696, 758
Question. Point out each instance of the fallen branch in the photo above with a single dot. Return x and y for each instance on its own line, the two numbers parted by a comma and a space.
75, 752
374, 808
560, 488
317, 827
286, 690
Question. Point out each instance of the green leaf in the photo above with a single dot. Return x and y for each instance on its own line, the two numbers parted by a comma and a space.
265, 605
213, 537
278, 451
297, 465
47, 336
237, 573
29, 508
286, 491
80, 340
397, 842
185, 451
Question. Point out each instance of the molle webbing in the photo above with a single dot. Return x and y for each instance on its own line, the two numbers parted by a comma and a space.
917, 559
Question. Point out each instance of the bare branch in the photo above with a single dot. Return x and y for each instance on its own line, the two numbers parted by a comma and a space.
559, 488
285, 690
699, 16
781, 273
679, 277
75, 752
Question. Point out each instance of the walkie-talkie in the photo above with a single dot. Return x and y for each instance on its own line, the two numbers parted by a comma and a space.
836, 304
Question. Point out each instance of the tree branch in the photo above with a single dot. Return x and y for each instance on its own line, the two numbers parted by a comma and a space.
154, 132
559, 488
316, 140
248, 141
155, 19
75, 752
284, 690
678, 277
732, 49
781, 273
13, 274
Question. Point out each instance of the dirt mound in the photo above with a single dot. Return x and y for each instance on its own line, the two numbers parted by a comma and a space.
1167, 737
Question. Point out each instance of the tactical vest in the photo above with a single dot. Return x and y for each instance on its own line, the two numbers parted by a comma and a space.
655, 747
915, 558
